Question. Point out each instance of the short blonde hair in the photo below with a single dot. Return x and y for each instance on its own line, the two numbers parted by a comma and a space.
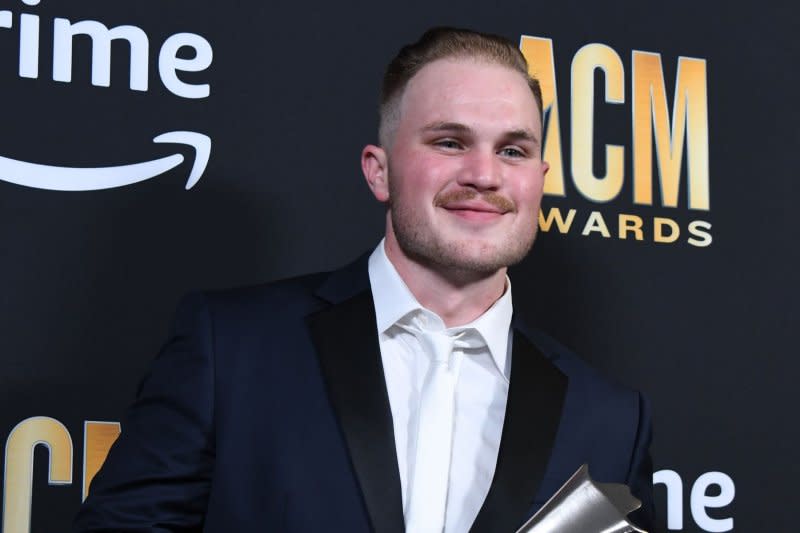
443, 43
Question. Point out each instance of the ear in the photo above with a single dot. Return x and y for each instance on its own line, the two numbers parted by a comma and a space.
374, 164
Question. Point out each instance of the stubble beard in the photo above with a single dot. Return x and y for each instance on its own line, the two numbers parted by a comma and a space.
461, 259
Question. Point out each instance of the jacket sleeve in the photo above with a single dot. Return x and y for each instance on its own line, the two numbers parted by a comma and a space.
640, 474
157, 475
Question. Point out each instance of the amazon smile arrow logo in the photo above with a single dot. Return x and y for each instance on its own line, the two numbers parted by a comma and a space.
93, 179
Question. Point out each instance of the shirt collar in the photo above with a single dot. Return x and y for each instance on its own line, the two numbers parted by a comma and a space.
393, 301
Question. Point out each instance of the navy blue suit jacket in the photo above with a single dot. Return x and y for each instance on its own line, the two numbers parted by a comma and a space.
267, 411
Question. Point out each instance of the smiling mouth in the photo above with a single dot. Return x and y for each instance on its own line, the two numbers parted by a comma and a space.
474, 208
474, 215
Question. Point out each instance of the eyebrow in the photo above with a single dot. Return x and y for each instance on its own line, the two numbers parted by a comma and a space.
513, 135
446, 126
523, 135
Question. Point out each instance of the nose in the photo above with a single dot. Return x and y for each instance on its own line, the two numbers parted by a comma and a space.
481, 170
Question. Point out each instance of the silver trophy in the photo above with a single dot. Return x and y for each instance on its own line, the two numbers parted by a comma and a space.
584, 506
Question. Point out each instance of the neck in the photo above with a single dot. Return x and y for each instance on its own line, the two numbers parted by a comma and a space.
457, 296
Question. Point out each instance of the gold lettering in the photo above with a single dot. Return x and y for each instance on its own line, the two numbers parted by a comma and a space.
97, 440
689, 119
631, 223
538, 52
555, 215
658, 230
595, 222
589, 58
701, 229
18, 478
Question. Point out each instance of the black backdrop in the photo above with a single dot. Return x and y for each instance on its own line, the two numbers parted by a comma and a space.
91, 278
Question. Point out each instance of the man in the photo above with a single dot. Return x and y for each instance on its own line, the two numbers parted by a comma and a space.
397, 393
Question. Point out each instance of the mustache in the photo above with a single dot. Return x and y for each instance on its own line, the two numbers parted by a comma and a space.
497, 201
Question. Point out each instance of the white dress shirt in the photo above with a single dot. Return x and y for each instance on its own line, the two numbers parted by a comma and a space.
480, 396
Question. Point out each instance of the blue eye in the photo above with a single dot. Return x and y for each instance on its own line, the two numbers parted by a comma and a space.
448, 143
512, 152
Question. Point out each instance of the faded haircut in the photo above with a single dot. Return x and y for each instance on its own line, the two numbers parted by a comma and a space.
445, 43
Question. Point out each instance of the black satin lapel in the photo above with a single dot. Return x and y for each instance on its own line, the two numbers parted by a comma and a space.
535, 399
345, 336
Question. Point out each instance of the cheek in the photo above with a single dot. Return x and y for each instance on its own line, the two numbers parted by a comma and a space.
418, 174
529, 191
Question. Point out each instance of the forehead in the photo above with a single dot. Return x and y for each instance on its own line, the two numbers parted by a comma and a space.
464, 90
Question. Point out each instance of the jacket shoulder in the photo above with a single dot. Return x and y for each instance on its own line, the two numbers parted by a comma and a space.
288, 296
569, 363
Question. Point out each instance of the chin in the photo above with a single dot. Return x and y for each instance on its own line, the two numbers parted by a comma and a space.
481, 258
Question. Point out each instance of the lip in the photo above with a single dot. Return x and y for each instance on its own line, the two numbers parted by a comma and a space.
477, 207
473, 211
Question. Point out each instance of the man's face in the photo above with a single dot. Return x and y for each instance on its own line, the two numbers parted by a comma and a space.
464, 169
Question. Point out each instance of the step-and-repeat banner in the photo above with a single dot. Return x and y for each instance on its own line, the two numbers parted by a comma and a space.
152, 148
